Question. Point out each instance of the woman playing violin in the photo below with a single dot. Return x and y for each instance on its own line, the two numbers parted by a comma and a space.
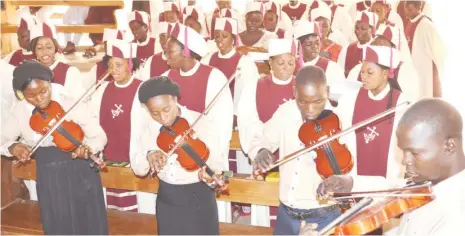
69, 191
430, 137
182, 197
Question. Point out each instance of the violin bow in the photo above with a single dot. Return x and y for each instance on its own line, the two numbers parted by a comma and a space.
204, 113
89, 92
322, 142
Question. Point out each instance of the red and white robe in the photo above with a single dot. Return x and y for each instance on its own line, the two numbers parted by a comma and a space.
17, 57
155, 65
147, 49
428, 52
341, 20
198, 87
360, 5
351, 56
68, 76
377, 158
295, 12
333, 71
95, 74
399, 7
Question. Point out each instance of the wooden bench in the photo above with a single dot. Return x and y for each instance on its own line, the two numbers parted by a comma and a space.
12, 28
40, 3
22, 217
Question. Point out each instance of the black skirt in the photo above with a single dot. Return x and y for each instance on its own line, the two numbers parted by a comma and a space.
70, 194
186, 210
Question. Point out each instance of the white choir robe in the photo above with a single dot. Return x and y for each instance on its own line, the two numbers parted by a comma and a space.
341, 60
7, 94
145, 201
17, 125
221, 117
352, 9
334, 72
284, 22
443, 216
7, 58
74, 84
342, 21
427, 9
395, 19
339, 38
427, 48
211, 45
395, 169
236, 13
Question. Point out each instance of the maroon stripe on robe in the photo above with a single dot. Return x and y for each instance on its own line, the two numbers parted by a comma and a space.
144, 52
281, 33
410, 31
322, 63
295, 13
226, 65
59, 73
353, 57
126, 201
193, 88
18, 57
373, 141
158, 66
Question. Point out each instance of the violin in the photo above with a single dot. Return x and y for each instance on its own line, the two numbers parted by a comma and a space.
397, 202
192, 152
67, 137
332, 157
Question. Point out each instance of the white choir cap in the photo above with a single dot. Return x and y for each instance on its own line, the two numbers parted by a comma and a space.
255, 6
27, 22
109, 34
322, 10
382, 55
273, 7
195, 42
391, 33
44, 29
121, 49
170, 6
229, 13
368, 17
282, 46
196, 14
165, 27
227, 24
305, 27
140, 16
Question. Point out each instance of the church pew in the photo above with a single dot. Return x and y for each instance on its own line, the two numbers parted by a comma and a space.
12, 28
40, 3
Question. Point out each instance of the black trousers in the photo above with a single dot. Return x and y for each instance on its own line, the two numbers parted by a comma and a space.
186, 209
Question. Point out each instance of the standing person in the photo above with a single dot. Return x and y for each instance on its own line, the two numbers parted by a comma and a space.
156, 65
358, 6
45, 48
255, 35
430, 137
365, 29
69, 191
427, 48
139, 22
340, 18
277, 22
223, 9
399, 6
194, 18
171, 13
116, 107
295, 9
182, 195
382, 8
185, 49
24, 53
299, 178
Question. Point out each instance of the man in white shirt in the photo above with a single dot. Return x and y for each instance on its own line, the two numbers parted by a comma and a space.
430, 136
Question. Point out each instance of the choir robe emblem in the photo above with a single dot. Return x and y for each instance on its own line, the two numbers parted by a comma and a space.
115, 120
146, 51
59, 73
374, 140
158, 66
227, 66
193, 88
410, 31
294, 13
18, 57
354, 56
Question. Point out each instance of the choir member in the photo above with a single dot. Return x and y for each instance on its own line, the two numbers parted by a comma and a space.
373, 147
298, 178
295, 9
115, 104
332, 40
185, 48
277, 22
358, 6
223, 9
399, 6
45, 47
24, 53
255, 35
430, 137
182, 196
196, 20
69, 191
156, 65
382, 8
171, 13
351, 55
426, 47
74, 15
340, 18
139, 22
308, 33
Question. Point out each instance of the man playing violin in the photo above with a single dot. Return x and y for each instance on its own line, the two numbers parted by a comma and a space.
299, 178
182, 196
430, 136
69, 191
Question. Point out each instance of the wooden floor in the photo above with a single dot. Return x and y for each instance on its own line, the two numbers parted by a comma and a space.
24, 218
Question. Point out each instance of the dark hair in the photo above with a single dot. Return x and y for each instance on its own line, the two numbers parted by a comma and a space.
135, 62
416, 3
156, 86
193, 54
392, 81
305, 37
2, 5
27, 71
34, 42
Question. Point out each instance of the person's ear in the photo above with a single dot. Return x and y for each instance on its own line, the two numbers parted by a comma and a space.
450, 145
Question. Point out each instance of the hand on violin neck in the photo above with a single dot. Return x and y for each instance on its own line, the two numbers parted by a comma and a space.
82, 151
20, 151
205, 177
263, 161
335, 184
308, 229
157, 160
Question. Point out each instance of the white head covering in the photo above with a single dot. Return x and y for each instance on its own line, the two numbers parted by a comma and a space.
121, 49
282, 46
197, 15
165, 27
255, 6
141, 16
382, 55
28, 22
305, 27
109, 34
229, 25
43, 29
190, 39
391, 33
322, 10
368, 17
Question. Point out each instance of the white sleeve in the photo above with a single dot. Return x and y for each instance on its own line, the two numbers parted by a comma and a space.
206, 59
433, 44
341, 60
343, 22
74, 84
90, 77
354, 73
10, 132
145, 71
334, 73
7, 58
409, 81
248, 120
270, 134
248, 75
